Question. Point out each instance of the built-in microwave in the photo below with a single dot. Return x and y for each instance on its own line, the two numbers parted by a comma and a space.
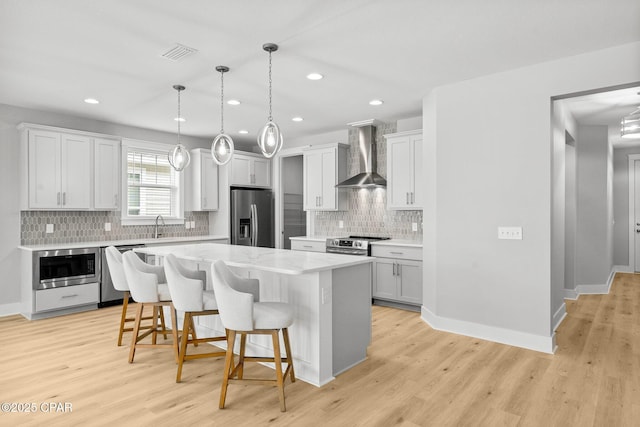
65, 267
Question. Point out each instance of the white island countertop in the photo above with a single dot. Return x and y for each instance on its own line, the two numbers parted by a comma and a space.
281, 261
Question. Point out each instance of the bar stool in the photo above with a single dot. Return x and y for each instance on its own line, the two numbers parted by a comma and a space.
116, 270
240, 314
148, 288
186, 287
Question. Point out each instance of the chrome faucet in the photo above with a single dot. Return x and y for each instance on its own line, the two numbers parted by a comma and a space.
156, 235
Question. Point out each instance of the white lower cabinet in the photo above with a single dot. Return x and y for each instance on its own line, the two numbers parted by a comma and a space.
68, 296
398, 275
308, 245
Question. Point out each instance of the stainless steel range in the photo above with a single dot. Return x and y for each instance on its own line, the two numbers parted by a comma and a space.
352, 245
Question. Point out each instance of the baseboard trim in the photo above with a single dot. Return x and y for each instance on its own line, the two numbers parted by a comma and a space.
559, 316
597, 289
571, 294
10, 309
544, 344
623, 269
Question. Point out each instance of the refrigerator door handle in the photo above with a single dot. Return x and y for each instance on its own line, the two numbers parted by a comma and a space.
254, 225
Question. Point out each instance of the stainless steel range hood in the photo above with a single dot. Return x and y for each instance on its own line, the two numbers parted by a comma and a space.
368, 177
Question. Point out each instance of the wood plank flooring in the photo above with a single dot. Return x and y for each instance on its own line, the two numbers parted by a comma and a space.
414, 376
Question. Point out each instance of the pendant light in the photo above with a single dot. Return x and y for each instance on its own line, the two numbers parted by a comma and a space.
179, 157
630, 125
222, 145
270, 137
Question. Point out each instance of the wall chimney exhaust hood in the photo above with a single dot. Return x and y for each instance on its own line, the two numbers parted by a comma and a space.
368, 177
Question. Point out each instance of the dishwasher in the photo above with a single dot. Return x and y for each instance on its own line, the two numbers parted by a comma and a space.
108, 294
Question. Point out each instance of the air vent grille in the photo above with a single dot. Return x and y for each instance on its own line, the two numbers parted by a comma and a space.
177, 52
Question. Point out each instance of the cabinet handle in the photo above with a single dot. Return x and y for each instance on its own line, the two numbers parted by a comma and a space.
396, 253
307, 246
413, 198
394, 268
407, 198
69, 296
58, 198
320, 197
64, 198
399, 270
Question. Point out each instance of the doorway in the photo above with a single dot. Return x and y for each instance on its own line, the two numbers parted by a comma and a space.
294, 218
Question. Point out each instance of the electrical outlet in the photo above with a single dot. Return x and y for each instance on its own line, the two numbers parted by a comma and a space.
187, 225
326, 295
193, 224
414, 226
49, 228
510, 233
107, 226
340, 224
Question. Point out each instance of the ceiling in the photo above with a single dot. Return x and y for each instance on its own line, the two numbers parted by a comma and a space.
54, 54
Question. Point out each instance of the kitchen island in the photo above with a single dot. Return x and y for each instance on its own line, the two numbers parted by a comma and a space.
331, 296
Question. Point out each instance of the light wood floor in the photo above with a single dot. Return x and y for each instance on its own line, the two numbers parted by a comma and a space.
414, 376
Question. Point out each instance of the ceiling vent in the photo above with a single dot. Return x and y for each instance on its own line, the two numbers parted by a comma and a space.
177, 52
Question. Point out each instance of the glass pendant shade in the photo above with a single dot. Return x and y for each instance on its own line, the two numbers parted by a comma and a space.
179, 157
222, 149
630, 125
270, 139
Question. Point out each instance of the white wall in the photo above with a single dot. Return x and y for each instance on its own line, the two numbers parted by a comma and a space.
594, 196
490, 164
10, 117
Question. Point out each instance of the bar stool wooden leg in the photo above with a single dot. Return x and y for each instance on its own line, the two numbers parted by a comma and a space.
136, 330
228, 366
194, 337
123, 318
278, 365
174, 329
243, 346
287, 348
164, 327
186, 324
154, 333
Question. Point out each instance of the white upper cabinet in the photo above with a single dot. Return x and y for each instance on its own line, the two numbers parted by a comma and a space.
59, 170
202, 183
106, 174
404, 170
250, 170
64, 169
324, 167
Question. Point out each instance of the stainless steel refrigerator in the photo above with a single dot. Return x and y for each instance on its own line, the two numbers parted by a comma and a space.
252, 218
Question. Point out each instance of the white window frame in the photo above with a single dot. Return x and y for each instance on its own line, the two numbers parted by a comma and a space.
151, 147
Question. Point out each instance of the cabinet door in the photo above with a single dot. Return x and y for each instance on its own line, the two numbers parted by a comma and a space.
106, 173
209, 183
399, 184
240, 170
262, 172
385, 285
417, 183
76, 167
44, 170
410, 281
312, 180
328, 179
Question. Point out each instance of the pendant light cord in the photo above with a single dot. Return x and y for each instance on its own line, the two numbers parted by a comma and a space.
270, 118
222, 102
179, 116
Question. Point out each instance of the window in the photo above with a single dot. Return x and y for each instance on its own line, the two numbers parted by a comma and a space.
151, 185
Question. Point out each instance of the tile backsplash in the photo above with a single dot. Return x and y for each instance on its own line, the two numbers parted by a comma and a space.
82, 226
368, 214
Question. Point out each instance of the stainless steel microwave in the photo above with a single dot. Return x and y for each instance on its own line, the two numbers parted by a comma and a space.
65, 267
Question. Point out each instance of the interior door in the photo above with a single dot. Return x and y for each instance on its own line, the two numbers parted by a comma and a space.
636, 197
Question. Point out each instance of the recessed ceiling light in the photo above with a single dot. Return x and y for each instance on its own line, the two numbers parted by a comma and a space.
315, 76
244, 132
376, 102
297, 119
180, 119
91, 101
233, 102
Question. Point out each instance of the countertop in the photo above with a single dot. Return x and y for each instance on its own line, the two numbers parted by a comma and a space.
104, 243
282, 261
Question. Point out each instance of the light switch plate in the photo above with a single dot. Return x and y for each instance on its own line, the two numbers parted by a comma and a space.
510, 233
340, 224
414, 226
107, 226
49, 228
187, 224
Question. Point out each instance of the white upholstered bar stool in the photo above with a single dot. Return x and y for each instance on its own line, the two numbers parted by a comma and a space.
241, 314
116, 270
187, 289
148, 287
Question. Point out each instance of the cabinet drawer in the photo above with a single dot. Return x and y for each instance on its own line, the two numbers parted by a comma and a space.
308, 245
69, 296
400, 252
